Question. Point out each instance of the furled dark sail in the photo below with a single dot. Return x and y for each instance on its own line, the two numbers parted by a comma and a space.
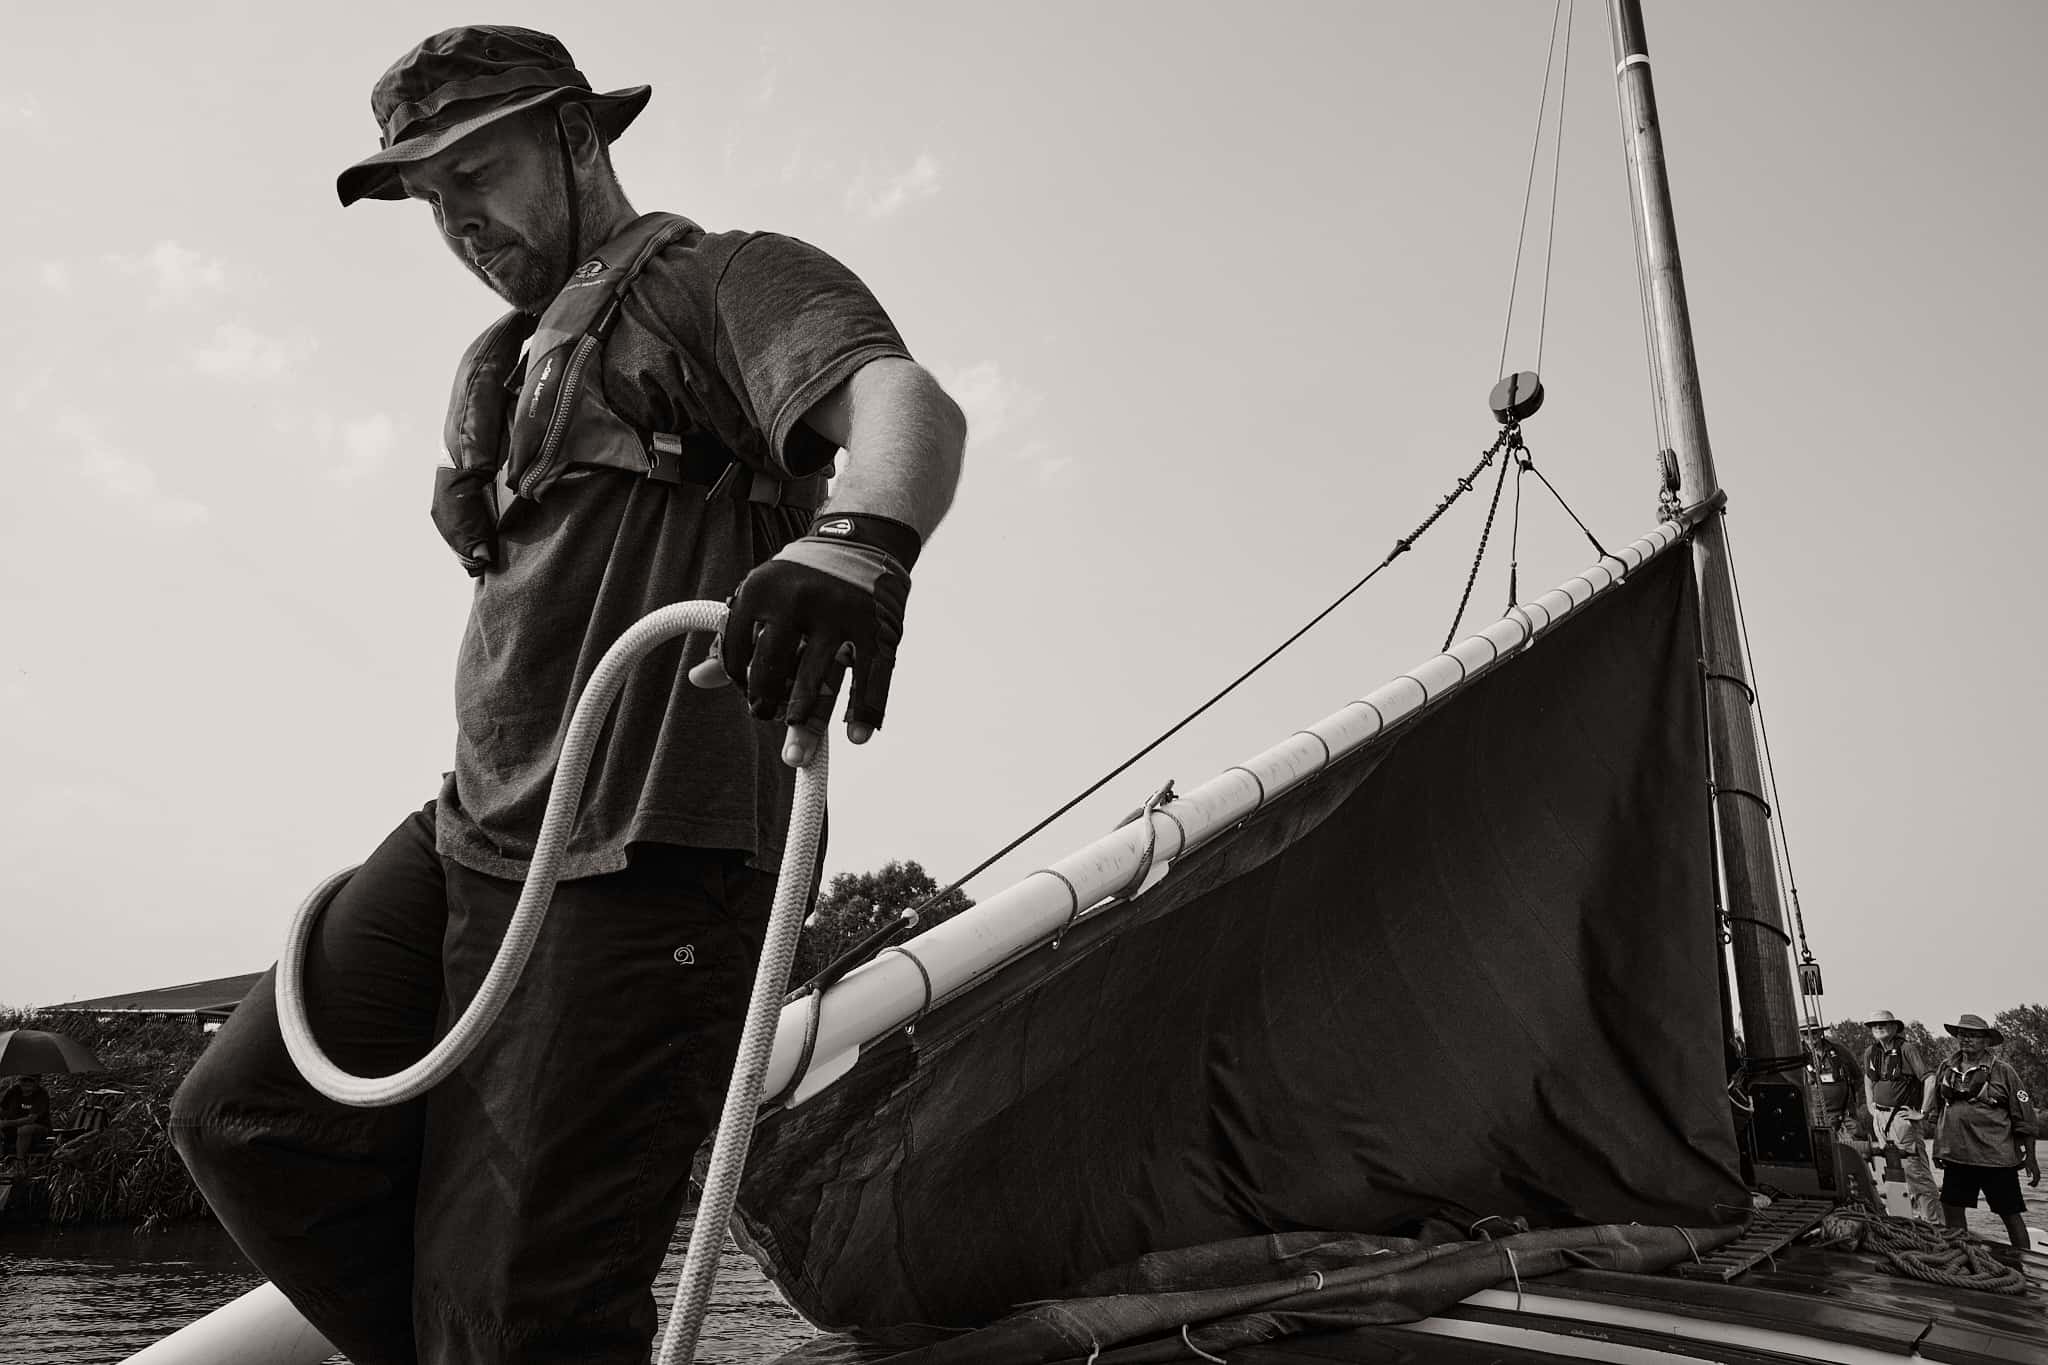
1467, 972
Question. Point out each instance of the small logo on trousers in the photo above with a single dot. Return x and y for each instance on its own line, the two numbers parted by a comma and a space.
686, 955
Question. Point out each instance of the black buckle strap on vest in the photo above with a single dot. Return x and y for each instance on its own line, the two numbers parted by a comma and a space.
695, 457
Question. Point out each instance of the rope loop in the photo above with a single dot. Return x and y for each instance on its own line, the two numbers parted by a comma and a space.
1145, 813
1188, 1341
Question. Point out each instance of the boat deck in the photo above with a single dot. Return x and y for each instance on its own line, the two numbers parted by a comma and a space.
1804, 1304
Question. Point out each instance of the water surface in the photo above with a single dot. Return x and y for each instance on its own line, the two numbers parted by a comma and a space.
93, 1296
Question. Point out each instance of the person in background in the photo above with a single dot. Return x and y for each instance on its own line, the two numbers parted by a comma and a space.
1901, 1082
1839, 1080
1984, 1128
24, 1117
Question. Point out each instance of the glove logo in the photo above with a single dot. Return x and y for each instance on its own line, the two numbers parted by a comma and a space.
589, 268
686, 956
838, 526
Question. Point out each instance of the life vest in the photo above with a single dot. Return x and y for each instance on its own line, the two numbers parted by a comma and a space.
561, 418
1886, 1064
1961, 1082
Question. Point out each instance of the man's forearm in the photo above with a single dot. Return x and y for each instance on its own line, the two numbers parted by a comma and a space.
904, 441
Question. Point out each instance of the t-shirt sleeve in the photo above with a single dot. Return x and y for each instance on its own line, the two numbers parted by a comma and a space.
1916, 1063
794, 324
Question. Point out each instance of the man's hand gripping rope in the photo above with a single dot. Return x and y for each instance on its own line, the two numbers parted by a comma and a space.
827, 604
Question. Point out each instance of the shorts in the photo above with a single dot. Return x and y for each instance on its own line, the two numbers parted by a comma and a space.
2000, 1184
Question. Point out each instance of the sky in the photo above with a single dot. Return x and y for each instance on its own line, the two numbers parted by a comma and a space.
1222, 289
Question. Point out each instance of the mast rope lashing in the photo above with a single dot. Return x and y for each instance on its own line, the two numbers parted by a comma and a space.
815, 994
1145, 812
922, 972
1073, 905
1743, 683
1770, 1066
1724, 789
1775, 931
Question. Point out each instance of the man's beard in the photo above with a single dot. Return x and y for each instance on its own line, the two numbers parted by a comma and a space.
524, 276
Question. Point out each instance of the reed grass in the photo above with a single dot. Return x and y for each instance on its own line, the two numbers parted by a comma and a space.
129, 1172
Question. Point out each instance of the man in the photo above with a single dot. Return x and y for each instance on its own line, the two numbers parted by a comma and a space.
665, 437
1901, 1083
24, 1118
1984, 1131
1839, 1080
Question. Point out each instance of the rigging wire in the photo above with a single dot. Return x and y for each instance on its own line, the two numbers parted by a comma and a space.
1529, 189
1564, 84
1463, 486
1514, 436
1780, 834
1657, 402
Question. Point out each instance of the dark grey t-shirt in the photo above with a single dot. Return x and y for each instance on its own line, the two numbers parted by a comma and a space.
737, 333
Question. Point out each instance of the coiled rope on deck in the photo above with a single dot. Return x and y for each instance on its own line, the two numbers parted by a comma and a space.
757, 1036
1922, 1251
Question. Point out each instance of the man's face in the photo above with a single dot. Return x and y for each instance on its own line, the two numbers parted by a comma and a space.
499, 201
1886, 1032
1975, 1042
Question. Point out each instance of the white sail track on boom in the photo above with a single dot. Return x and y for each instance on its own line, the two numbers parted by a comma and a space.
822, 1034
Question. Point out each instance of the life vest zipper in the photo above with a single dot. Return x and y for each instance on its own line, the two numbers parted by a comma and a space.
558, 421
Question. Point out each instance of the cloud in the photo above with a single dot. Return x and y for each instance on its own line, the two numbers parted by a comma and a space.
993, 402
346, 449
175, 273
33, 387
56, 276
1054, 471
997, 407
365, 444
874, 202
239, 353
20, 112
121, 476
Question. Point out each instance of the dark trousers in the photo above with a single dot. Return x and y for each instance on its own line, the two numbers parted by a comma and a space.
520, 1210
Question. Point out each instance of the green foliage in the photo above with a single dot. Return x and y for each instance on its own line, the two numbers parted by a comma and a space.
129, 1172
2026, 1044
1854, 1037
1937, 1047
856, 904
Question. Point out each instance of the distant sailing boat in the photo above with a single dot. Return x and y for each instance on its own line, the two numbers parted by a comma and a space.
1139, 1107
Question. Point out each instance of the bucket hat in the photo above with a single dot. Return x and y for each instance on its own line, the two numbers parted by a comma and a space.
462, 80
1976, 1023
1881, 1017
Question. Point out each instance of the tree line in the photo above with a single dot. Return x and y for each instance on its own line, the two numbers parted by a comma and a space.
2026, 1042
858, 903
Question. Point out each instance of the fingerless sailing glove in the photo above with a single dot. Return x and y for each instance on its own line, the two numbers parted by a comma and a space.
843, 585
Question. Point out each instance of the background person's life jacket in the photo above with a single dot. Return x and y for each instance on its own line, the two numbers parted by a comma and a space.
561, 418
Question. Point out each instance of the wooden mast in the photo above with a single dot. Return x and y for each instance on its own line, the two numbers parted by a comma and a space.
1763, 973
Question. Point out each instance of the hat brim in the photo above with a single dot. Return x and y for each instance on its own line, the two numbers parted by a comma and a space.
376, 175
1956, 1031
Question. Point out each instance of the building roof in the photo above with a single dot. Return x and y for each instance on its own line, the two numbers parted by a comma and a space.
218, 996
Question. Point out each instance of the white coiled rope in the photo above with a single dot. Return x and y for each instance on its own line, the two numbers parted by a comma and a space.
757, 1036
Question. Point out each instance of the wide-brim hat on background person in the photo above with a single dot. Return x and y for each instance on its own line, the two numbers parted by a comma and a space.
465, 79
1881, 1017
1977, 1024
